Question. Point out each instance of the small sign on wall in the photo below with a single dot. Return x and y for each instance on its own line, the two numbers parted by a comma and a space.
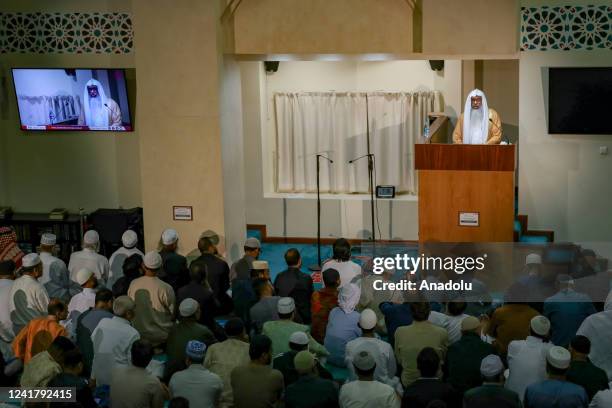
469, 219
182, 213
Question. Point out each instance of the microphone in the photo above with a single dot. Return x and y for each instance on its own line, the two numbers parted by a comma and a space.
360, 157
325, 157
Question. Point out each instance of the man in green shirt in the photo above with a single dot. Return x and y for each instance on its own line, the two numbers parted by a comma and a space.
279, 331
582, 371
462, 368
185, 330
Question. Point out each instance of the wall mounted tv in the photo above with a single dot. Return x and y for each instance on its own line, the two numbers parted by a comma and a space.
72, 99
579, 100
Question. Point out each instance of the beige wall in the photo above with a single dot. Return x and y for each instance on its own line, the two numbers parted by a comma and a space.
323, 26
500, 82
296, 217
459, 27
179, 115
41, 171
564, 183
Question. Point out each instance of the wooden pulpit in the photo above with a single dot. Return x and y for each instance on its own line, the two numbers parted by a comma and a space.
466, 192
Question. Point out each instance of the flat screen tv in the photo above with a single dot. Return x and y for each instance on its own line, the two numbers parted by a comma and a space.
579, 100
72, 99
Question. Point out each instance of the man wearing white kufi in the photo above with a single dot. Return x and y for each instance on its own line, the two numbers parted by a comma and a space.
97, 109
478, 124
129, 239
90, 259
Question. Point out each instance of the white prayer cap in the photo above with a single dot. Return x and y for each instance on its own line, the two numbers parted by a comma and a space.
30, 260
540, 325
533, 259
252, 243
129, 239
491, 365
153, 260
188, 307
260, 265
48, 239
169, 236
364, 361
367, 320
91, 237
82, 276
559, 357
285, 305
299, 337
122, 305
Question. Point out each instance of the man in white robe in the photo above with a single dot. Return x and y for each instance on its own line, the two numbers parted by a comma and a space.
129, 239
478, 124
28, 299
50, 262
598, 329
98, 110
89, 259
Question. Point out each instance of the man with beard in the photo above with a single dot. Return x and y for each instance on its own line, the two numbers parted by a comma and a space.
98, 110
478, 124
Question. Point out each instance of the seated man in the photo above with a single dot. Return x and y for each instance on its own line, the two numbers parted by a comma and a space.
429, 387
284, 363
72, 376
185, 330
556, 391
492, 392
366, 391
132, 386
309, 390
257, 385
266, 307
40, 333
198, 385
478, 124
279, 331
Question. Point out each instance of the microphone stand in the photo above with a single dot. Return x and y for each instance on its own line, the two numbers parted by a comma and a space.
370, 157
319, 207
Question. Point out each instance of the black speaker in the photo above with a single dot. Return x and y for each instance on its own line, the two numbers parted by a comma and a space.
271, 66
436, 65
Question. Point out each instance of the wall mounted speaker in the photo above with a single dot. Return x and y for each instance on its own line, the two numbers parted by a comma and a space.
271, 66
436, 65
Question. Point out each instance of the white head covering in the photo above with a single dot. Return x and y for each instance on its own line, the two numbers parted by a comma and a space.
91, 237
129, 239
169, 236
348, 298
48, 239
467, 113
102, 95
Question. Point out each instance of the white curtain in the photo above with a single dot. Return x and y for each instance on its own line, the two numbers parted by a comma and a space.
334, 124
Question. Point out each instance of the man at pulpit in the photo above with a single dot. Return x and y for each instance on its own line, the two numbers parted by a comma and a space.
478, 124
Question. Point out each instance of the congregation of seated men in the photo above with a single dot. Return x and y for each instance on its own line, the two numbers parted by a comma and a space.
157, 329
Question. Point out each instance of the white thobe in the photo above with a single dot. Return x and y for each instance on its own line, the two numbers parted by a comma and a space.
91, 260
368, 394
526, 363
28, 300
116, 262
382, 352
6, 325
112, 344
51, 264
348, 270
81, 302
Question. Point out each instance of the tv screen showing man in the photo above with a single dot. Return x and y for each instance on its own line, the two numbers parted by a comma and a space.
72, 99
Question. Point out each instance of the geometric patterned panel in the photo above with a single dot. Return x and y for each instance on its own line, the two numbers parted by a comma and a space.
66, 33
566, 28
